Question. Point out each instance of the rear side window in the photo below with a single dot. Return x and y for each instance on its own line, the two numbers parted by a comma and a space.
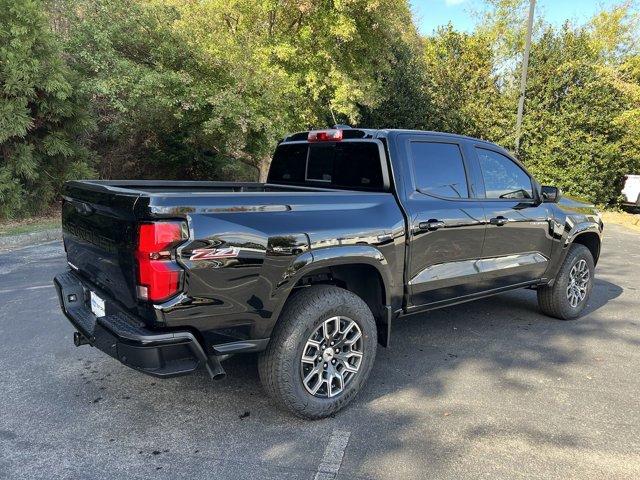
289, 164
349, 165
502, 177
439, 169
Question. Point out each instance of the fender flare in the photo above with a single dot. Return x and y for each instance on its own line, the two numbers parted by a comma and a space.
573, 230
334, 256
579, 229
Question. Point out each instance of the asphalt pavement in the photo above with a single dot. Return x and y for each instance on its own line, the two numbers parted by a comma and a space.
491, 389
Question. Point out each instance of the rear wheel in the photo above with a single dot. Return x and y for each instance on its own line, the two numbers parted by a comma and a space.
321, 351
569, 294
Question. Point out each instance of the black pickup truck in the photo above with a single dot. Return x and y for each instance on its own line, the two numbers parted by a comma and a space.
353, 229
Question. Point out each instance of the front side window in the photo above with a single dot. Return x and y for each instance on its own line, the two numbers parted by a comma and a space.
502, 177
439, 169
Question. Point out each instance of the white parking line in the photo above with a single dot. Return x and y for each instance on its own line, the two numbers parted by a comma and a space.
333, 454
38, 287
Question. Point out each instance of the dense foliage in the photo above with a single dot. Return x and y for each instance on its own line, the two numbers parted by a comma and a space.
183, 89
581, 123
43, 117
201, 89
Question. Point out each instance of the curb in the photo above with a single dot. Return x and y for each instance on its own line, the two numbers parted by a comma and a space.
13, 242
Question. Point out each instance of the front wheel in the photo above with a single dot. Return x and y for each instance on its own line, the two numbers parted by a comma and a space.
569, 294
321, 352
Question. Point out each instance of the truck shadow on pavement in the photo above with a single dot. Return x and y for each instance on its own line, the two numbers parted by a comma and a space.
468, 366
452, 378
490, 372
505, 332
499, 335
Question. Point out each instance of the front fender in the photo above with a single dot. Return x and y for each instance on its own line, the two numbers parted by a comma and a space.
580, 228
565, 234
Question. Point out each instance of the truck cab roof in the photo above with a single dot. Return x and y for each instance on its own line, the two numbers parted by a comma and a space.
352, 133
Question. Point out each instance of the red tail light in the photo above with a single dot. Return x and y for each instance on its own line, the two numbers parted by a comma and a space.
158, 275
332, 135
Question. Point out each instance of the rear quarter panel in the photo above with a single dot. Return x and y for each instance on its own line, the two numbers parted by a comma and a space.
264, 243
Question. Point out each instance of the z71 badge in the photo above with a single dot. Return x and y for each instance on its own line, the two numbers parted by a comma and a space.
214, 253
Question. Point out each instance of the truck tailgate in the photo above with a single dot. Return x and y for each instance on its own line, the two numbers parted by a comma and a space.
99, 233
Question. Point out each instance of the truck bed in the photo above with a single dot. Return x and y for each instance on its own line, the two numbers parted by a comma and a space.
101, 220
169, 187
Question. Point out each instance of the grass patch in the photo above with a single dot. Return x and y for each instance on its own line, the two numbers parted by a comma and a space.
622, 218
29, 225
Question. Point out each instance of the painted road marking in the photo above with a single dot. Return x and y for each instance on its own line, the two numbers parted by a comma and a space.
333, 455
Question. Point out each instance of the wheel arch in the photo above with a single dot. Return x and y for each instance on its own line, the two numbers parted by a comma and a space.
587, 233
592, 241
362, 270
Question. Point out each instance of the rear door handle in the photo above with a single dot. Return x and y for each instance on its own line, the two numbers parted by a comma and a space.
499, 221
431, 225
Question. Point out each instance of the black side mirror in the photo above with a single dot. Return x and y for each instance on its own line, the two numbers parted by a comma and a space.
551, 194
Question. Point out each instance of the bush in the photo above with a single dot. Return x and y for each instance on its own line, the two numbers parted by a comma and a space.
43, 119
572, 134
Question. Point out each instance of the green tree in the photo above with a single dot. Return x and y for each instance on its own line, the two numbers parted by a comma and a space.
43, 120
150, 94
404, 96
204, 89
184, 88
464, 87
578, 116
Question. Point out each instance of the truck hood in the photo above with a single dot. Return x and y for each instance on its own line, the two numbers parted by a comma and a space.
577, 205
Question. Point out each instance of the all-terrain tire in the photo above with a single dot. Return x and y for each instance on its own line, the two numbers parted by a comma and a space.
280, 366
553, 300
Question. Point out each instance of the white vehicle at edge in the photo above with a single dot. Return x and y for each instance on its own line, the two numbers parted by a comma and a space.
631, 191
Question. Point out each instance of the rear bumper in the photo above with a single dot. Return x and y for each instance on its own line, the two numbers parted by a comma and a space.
125, 338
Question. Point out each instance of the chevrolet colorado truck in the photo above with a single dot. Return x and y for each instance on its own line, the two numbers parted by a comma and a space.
353, 229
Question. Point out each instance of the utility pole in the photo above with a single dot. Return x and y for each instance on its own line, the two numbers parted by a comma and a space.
525, 67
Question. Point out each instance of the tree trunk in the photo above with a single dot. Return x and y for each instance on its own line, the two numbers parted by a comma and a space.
264, 168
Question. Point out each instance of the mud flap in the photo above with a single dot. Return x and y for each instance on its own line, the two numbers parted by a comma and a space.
384, 326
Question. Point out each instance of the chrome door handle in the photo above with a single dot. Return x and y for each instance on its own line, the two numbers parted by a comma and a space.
431, 225
499, 221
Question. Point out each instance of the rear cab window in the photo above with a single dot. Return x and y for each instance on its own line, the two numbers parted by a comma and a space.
438, 169
354, 165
